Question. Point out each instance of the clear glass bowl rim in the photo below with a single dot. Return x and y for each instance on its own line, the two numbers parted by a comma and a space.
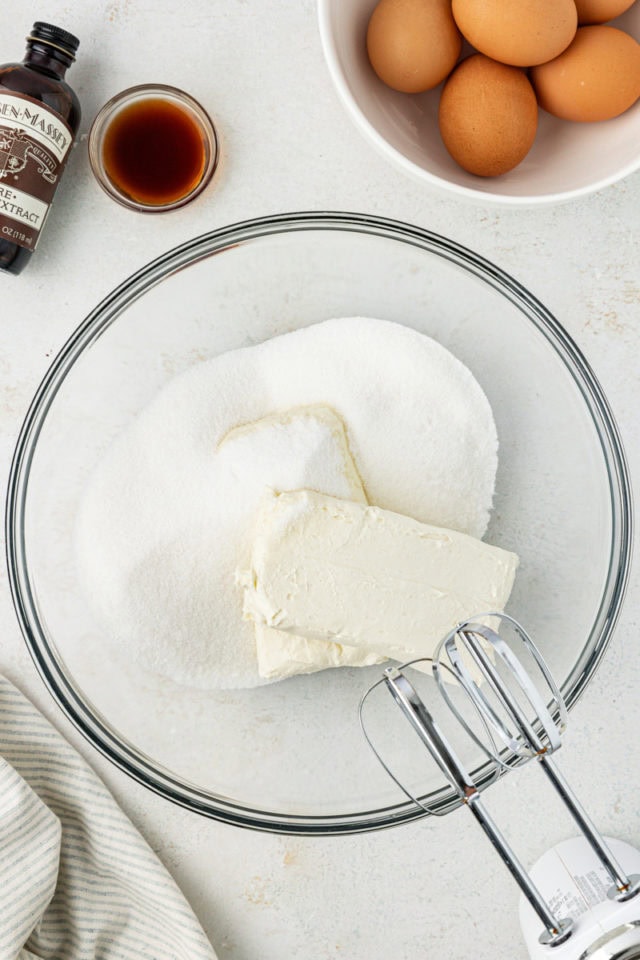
70, 698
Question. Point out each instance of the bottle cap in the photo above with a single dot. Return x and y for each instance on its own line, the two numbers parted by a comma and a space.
55, 37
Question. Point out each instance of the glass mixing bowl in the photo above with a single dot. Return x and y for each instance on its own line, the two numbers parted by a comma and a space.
290, 757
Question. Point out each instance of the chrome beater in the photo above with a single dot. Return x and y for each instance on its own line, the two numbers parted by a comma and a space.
514, 712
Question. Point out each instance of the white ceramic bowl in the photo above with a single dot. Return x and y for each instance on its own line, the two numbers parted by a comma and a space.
567, 159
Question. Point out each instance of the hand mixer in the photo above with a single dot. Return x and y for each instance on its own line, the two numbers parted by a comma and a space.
514, 711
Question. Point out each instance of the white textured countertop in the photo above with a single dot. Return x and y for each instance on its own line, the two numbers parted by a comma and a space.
430, 890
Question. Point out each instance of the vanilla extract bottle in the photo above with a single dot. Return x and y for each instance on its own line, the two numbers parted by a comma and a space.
39, 118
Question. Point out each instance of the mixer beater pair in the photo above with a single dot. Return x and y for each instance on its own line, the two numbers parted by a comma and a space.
515, 713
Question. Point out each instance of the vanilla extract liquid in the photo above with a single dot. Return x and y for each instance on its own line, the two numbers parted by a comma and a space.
153, 152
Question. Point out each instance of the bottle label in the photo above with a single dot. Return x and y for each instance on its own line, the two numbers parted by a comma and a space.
34, 144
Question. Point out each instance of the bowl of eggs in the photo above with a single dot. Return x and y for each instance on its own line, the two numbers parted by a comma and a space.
522, 102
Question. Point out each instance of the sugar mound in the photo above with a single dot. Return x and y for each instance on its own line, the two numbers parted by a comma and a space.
166, 521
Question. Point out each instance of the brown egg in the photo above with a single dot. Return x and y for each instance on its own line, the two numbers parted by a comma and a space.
596, 78
488, 116
519, 32
599, 11
413, 44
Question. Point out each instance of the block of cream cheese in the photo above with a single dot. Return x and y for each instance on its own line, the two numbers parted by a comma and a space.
336, 570
315, 435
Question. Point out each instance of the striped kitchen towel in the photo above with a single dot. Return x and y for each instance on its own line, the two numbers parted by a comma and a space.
77, 881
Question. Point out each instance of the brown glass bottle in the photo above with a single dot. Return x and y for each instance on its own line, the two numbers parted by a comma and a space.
39, 118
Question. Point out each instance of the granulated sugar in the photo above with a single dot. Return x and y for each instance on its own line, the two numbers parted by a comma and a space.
167, 518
